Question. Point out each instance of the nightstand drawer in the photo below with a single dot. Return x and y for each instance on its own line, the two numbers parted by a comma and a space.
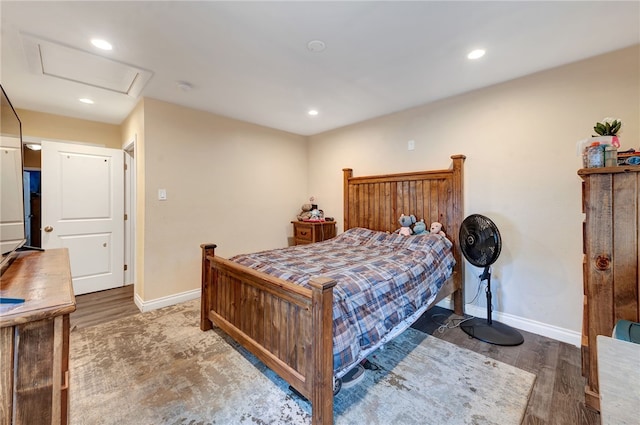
304, 233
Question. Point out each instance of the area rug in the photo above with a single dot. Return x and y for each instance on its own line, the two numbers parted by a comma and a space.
158, 368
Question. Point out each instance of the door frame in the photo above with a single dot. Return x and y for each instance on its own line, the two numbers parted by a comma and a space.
129, 150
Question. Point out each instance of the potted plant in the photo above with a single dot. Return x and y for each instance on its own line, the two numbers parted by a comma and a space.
607, 131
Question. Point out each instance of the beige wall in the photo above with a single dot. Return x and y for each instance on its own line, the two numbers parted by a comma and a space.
520, 141
57, 127
228, 182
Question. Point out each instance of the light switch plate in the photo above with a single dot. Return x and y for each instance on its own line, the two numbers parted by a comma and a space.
162, 194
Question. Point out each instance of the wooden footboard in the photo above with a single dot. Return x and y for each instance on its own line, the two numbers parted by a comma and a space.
288, 327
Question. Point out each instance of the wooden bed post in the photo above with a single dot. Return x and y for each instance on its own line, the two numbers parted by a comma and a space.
347, 174
458, 217
322, 350
207, 251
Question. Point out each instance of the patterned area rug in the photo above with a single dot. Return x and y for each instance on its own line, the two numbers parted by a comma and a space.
159, 368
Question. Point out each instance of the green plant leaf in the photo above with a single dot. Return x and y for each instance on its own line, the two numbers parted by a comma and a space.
615, 127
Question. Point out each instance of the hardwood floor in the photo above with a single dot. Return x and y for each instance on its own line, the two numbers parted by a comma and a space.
104, 306
558, 394
557, 397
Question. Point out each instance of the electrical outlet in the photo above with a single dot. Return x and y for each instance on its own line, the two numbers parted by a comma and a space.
411, 145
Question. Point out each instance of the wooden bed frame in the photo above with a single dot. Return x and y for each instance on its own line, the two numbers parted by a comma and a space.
289, 327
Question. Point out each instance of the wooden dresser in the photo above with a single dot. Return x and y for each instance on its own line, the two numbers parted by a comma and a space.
313, 231
611, 265
34, 339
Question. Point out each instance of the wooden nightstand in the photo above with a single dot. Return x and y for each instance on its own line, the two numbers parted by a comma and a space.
313, 231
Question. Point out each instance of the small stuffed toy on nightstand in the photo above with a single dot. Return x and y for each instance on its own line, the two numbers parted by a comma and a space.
305, 214
405, 221
420, 228
436, 229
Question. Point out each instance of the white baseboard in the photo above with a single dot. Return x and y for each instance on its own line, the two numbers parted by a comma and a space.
165, 301
533, 326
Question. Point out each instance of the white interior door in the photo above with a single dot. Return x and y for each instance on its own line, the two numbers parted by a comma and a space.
83, 210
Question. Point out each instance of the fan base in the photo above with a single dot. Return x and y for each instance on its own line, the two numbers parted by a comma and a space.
495, 333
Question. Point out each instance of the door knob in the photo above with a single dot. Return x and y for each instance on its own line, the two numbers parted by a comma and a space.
48, 229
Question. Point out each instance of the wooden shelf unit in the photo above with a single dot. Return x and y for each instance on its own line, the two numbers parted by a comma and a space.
34, 339
611, 264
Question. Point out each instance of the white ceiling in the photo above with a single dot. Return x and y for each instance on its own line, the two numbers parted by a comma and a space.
249, 60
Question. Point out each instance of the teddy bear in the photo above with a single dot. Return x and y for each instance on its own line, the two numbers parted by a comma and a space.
436, 229
305, 214
310, 212
420, 228
405, 221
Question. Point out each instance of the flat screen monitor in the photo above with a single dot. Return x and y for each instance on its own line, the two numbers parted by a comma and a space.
12, 223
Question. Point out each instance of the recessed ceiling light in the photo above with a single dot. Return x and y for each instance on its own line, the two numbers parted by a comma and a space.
86, 100
476, 54
313, 112
101, 44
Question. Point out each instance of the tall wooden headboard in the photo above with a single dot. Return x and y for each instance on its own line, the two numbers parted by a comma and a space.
376, 202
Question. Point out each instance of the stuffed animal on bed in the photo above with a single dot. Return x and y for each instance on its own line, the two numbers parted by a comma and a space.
405, 221
436, 229
420, 228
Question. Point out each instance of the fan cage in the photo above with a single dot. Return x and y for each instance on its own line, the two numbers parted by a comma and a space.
480, 240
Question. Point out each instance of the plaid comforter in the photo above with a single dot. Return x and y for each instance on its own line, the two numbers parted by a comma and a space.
382, 281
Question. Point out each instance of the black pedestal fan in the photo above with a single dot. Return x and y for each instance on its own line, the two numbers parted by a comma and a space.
481, 244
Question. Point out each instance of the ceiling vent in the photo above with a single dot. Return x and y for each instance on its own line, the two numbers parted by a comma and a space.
56, 60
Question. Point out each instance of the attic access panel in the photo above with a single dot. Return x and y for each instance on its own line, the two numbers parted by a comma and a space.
60, 61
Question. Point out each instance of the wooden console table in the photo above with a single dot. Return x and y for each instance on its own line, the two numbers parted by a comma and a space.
34, 339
